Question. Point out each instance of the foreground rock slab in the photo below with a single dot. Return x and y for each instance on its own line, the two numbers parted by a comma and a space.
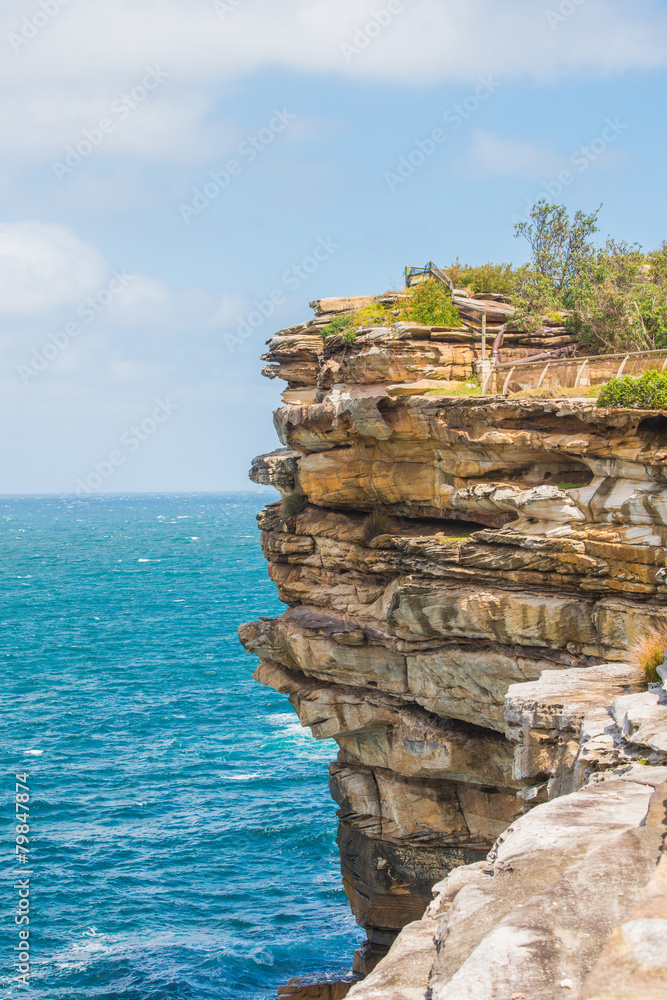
572, 879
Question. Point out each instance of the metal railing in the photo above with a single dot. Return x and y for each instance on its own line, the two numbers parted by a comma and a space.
571, 373
414, 274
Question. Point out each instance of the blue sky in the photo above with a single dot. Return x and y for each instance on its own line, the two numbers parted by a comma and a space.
382, 133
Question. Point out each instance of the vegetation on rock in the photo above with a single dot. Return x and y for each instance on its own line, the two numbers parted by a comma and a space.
557, 392
292, 504
620, 300
613, 298
647, 393
561, 247
500, 278
336, 325
377, 523
648, 652
461, 389
348, 323
430, 303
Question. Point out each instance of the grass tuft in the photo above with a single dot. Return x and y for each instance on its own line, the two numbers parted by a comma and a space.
292, 504
459, 389
348, 323
557, 392
377, 523
647, 652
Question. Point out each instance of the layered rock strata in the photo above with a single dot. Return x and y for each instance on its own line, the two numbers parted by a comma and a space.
468, 648
400, 353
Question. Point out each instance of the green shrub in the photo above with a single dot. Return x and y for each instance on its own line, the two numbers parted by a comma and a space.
430, 303
561, 246
336, 325
372, 315
499, 278
620, 299
648, 392
348, 323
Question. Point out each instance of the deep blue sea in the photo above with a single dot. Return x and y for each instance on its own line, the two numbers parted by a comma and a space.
182, 835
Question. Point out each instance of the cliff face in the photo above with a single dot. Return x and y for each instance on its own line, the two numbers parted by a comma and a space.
469, 652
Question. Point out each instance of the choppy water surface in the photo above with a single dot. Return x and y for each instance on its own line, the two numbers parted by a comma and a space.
183, 833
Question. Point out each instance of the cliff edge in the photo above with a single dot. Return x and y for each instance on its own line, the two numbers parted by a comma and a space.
467, 580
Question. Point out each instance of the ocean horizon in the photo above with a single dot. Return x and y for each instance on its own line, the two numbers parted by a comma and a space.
182, 837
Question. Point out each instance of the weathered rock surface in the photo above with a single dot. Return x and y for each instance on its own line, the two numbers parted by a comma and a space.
633, 963
533, 919
469, 649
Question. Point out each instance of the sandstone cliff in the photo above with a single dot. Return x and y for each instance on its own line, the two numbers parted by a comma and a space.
469, 649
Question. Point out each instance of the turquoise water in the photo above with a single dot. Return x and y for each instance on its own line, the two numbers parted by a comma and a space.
183, 835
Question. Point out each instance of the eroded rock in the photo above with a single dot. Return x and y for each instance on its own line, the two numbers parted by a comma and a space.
470, 656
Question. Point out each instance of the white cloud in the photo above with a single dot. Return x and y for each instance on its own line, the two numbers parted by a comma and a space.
41, 123
150, 303
496, 155
43, 267
65, 78
429, 39
49, 274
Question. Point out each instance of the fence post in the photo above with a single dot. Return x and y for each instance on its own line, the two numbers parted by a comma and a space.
507, 380
620, 370
542, 376
579, 374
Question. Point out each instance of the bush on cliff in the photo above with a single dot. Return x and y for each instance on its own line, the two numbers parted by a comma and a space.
647, 393
430, 303
612, 298
561, 247
500, 278
620, 299
347, 324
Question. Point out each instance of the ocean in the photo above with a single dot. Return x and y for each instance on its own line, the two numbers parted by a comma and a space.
182, 837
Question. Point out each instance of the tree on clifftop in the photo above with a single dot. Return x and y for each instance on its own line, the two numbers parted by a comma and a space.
561, 247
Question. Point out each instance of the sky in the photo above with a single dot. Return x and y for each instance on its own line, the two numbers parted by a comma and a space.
180, 178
